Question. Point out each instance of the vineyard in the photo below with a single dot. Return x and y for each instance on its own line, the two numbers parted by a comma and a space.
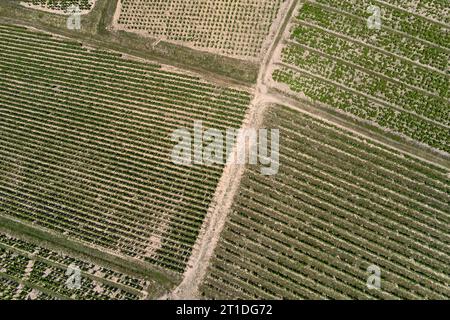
396, 77
228, 27
28, 271
60, 5
86, 145
108, 191
339, 204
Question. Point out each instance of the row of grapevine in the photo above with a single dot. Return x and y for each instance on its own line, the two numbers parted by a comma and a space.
339, 205
364, 108
61, 5
29, 271
232, 28
395, 77
436, 10
397, 19
378, 62
397, 95
390, 40
86, 145
13, 290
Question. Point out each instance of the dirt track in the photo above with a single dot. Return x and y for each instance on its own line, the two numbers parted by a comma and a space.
229, 183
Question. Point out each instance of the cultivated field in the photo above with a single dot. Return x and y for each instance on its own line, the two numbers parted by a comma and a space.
87, 175
396, 77
59, 5
339, 204
86, 146
29, 271
233, 28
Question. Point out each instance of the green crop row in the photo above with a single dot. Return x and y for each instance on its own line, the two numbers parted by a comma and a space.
93, 132
336, 206
372, 59
395, 19
437, 10
363, 81
360, 106
15, 249
385, 39
61, 4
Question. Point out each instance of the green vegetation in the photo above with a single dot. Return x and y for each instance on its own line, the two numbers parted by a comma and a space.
95, 31
234, 28
61, 4
86, 144
395, 77
28, 271
87, 178
339, 204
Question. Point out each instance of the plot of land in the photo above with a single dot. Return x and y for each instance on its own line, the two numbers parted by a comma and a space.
233, 28
59, 5
29, 271
89, 189
86, 146
396, 77
338, 205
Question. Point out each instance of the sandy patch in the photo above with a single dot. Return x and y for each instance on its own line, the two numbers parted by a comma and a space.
161, 24
226, 190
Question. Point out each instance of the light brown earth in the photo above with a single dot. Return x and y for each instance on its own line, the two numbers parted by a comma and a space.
276, 25
229, 182
267, 94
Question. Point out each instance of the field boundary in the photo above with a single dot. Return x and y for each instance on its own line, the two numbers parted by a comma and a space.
96, 32
354, 125
276, 93
77, 249
228, 185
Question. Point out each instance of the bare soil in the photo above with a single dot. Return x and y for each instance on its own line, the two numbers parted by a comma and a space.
228, 185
